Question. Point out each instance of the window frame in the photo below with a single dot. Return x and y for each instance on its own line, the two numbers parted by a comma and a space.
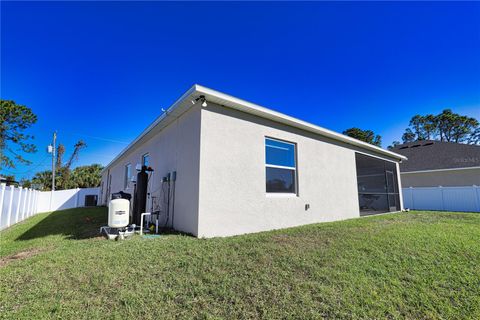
388, 166
127, 175
143, 159
295, 193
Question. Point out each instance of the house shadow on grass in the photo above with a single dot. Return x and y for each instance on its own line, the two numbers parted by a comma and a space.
77, 223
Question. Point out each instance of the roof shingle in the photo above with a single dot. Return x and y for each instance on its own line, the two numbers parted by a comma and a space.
432, 155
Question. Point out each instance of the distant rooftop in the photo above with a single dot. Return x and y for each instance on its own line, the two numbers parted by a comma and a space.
433, 155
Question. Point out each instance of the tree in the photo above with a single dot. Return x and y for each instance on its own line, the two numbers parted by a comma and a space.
446, 126
454, 127
394, 144
63, 173
420, 128
81, 177
78, 146
9, 180
474, 137
60, 153
43, 180
409, 136
62, 170
14, 120
87, 176
364, 135
25, 183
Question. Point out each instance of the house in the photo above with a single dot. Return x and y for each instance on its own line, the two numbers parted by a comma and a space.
216, 165
438, 163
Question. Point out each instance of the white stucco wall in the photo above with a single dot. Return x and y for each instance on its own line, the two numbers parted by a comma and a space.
174, 148
233, 199
219, 156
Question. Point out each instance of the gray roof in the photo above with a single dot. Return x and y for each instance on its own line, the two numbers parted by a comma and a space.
434, 155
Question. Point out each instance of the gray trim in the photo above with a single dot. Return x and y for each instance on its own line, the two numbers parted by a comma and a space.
440, 170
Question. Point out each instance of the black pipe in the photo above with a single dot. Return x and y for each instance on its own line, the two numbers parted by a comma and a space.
174, 178
168, 200
140, 203
132, 203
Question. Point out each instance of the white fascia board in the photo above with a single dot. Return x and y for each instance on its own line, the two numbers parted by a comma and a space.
439, 170
245, 106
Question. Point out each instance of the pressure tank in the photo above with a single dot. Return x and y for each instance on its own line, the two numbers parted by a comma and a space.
118, 213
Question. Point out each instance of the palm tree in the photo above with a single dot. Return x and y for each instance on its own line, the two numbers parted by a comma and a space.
43, 180
87, 176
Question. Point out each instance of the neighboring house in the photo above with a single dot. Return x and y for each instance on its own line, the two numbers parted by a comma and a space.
437, 163
224, 166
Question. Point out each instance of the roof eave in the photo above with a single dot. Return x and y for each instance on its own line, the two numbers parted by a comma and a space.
282, 118
160, 118
249, 107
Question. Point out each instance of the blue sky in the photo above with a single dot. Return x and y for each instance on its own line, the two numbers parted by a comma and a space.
102, 71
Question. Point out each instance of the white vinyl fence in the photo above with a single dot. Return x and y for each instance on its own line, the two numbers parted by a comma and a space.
17, 203
442, 198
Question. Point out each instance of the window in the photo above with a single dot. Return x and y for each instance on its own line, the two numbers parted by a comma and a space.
377, 185
281, 170
128, 170
146, 160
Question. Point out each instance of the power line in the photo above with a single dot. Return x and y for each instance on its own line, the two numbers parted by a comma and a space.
42, 162
94, 137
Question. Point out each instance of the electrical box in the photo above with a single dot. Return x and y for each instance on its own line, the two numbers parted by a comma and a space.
91, 200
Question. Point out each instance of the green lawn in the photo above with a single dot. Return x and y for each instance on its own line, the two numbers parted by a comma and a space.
405, 265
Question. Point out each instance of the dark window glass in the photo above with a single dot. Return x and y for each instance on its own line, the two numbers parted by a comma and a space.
377, 185
279, 153
146, 160
280, 180
128, 169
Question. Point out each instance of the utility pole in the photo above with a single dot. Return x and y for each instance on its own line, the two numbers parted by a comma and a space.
51, 149
53, 160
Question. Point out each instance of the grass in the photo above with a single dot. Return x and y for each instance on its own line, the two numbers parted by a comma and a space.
417, 265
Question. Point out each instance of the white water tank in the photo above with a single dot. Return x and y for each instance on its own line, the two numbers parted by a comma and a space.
118, 213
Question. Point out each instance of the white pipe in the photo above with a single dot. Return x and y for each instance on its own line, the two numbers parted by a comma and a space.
141, 221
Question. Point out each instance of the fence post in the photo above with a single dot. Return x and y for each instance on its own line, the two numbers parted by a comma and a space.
20, 205
17, 209
51, 200
476, 191
76, 197
27, 198
24, 201
443, 199
38, 200
10, 204
35, 192
2, 195
29, 195
31, 202
411, 197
